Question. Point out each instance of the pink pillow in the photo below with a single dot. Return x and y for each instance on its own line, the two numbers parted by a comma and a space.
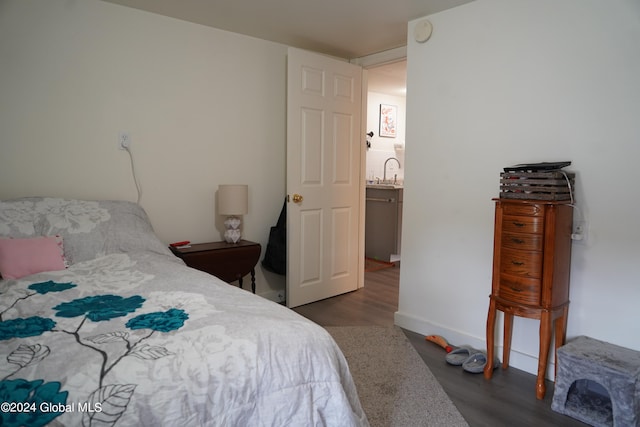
22, 257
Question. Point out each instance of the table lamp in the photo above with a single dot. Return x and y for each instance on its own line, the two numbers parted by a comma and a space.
233, 201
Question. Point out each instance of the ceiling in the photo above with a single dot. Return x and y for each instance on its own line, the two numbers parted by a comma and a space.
343, 28
390, 79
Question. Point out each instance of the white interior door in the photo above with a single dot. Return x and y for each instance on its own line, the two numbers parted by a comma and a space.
324, 152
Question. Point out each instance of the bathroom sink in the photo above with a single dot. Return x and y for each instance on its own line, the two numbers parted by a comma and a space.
384, 186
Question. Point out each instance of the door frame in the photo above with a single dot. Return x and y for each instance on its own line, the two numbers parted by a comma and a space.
370, 61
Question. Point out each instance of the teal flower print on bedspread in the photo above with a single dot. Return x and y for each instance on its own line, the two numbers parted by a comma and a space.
166, 321
39, 402
100, 307
39, 288
50, 286
25, 327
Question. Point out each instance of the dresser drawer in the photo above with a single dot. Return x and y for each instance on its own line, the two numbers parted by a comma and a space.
517, 209
521, 241
522, 224
519, 289
521, 263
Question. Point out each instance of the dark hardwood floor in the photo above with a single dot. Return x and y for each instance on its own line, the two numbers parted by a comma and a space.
508, 399
374, 304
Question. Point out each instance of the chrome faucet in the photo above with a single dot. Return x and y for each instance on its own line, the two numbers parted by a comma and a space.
384, 175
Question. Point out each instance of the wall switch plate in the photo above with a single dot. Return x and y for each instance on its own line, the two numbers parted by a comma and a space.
124, 140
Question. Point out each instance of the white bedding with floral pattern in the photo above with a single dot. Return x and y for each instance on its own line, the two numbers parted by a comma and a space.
130, 336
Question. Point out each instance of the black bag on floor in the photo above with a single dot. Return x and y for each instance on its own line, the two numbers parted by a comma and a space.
275, 257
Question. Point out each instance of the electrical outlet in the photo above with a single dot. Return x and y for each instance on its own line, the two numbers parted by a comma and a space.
124, 140
580, 231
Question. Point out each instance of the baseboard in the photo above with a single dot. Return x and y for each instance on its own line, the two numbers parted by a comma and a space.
274, 295
517, 359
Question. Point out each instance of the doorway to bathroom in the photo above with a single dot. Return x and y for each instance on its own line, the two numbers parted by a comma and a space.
385, 155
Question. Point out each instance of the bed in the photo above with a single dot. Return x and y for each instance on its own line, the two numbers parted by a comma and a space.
122, 333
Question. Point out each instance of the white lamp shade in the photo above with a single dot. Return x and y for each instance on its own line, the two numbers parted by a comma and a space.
233, 199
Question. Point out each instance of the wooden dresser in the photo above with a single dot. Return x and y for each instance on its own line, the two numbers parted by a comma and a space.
531, 264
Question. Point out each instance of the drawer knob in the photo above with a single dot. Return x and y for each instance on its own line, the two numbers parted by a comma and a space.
518, 224
514, 262
514, 289
516, 240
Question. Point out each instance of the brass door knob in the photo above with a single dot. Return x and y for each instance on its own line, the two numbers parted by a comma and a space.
297, 198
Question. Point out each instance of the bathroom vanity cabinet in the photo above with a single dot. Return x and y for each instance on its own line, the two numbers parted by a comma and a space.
383, 222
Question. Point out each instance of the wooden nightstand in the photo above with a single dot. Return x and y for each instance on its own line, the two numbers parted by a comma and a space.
228, 261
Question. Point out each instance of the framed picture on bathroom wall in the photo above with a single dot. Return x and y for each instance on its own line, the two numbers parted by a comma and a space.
388, 123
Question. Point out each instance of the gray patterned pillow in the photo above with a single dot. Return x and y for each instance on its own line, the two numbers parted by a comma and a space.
90, 228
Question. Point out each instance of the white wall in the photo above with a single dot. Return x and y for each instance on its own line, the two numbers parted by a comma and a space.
502, 82
204, 107
383, 147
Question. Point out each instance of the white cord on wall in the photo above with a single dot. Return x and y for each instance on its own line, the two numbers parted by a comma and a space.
578, 235
133, 173
569, 184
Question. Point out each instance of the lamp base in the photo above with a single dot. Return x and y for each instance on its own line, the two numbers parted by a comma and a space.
232, 233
